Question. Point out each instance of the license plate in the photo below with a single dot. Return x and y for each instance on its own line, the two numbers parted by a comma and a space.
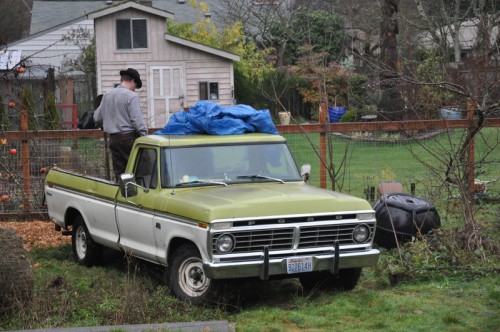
299, 265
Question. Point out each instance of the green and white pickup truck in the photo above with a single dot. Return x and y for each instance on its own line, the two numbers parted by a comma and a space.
216, 207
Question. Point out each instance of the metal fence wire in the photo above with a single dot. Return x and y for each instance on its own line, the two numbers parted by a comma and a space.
360, 156
362, 161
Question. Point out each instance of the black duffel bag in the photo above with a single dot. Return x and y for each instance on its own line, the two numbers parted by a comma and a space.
400, 217
87, 121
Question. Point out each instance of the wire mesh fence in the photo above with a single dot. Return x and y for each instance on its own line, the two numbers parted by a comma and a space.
361, 161
25, 158
84, 156
355, 160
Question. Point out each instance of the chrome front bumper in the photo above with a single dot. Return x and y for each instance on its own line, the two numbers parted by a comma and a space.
277, 266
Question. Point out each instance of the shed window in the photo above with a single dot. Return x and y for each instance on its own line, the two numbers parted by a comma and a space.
209, 90
131, 33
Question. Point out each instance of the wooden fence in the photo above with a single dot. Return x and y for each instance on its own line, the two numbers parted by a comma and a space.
28, 185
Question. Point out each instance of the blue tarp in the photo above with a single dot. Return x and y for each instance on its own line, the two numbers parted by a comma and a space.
210, 118
335, 113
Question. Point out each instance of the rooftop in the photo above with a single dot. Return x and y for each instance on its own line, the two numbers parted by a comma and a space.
49, 13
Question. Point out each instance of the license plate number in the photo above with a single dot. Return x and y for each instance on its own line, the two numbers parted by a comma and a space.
299, 265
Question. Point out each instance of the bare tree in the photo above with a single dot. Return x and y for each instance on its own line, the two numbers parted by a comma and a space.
390, 105
85, 62
451, 24
15, 18
473, 85
258, 21
261, 20
362, 21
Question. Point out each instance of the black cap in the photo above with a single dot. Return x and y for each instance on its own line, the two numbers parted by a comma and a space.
133, 74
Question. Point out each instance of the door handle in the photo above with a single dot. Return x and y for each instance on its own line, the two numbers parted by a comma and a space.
158, 225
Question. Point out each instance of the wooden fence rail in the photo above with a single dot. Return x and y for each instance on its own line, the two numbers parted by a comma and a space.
25, 137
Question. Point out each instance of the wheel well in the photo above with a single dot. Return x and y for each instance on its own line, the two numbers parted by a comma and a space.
70, 216
175, 243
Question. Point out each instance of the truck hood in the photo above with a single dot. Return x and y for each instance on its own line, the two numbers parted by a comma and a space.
258, 200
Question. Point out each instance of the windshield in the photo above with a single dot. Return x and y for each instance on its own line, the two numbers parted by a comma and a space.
226, 164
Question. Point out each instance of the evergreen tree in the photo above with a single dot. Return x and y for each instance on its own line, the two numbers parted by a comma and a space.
4, 116
50, 114
28, 104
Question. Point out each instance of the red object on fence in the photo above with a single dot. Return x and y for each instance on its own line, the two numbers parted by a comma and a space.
74, 116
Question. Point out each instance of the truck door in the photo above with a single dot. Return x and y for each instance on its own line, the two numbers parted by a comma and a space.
134, 216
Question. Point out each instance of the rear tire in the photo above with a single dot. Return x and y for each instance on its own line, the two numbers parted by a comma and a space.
188, 280
346, 280
85, 250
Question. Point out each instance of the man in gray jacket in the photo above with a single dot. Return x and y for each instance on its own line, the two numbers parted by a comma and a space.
120, 116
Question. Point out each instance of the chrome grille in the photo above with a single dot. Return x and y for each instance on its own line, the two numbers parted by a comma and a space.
320, 236
283, 238
250, 241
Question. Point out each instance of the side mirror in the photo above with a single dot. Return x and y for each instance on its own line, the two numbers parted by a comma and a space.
305, 172
127, 185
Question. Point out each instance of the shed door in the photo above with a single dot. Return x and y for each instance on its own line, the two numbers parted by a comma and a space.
166, 94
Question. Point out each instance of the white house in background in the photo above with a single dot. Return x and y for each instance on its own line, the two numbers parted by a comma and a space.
468, 37
176, 73
53, 20
47, 48
50, 22
44, 54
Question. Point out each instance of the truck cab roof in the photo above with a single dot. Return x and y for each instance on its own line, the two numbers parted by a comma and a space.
190, 140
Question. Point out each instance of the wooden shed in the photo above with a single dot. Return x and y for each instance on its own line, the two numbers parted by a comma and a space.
176, 73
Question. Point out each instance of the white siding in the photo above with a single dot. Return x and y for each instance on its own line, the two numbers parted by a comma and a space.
47, 48
197, 65
110, 75
213, 70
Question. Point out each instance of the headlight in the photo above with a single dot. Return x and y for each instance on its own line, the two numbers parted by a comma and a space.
225, 243
361, 233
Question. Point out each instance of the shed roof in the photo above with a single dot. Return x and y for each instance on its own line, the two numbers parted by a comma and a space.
201, 47
49, 13
110, 9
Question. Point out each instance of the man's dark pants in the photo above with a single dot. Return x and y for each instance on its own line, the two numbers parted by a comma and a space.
120, 145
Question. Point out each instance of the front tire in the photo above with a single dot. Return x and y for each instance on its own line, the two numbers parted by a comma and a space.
345, 280
188, 280
85, 250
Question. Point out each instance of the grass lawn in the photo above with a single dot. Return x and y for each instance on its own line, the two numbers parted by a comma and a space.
423, 163
442, 304
126, 292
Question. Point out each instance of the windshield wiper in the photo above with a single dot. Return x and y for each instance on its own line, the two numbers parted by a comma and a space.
254, 177
201, 182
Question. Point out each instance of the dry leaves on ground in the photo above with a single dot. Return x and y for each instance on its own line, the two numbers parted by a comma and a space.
37, 234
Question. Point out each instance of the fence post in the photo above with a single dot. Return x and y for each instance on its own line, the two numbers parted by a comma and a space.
471, 108
322, 147
25, 158
74, 108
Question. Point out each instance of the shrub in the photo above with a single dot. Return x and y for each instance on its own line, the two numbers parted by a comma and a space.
349, 116
16, 276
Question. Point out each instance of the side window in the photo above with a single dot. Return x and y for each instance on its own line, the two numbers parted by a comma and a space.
146, 170
131, 33
209, 90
